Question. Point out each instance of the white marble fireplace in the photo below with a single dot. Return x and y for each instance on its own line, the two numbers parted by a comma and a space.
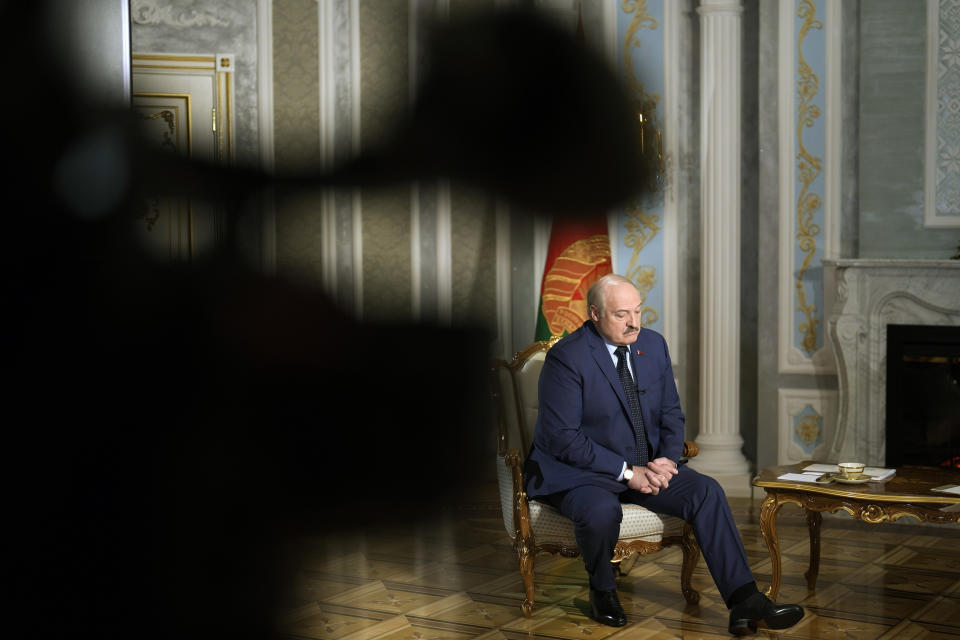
871, 294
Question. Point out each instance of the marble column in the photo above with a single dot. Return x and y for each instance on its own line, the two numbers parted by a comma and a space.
719, 434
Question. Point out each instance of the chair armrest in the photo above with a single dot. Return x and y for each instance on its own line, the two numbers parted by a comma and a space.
690, 449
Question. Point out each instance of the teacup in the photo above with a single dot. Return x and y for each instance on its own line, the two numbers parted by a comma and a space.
851, 469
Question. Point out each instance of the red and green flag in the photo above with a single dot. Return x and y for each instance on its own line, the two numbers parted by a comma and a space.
578, 255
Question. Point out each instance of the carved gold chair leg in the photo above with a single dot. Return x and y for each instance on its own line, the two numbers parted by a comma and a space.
626, 565
691, 556
525, 555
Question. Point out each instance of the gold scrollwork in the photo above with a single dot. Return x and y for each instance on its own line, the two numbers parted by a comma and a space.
641, 20
873, 513
808, 429
642, 226
150, 207
168, 141
808, 168
623, 550
646, 102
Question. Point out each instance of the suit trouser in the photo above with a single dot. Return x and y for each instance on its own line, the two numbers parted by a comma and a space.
694, 497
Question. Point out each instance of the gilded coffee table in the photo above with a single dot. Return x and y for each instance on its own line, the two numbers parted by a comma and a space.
908, 493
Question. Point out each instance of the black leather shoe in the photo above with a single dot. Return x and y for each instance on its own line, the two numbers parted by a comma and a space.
758, 607
606, 609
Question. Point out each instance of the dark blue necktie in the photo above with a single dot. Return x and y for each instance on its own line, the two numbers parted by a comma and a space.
633, 401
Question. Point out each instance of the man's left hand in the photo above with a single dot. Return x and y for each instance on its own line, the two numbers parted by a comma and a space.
658, 472
663, 466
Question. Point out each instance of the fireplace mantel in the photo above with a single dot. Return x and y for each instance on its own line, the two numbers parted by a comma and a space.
869, 295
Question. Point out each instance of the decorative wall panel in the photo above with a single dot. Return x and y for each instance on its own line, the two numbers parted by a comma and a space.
942, 170
809, 170
640, 224
807, 420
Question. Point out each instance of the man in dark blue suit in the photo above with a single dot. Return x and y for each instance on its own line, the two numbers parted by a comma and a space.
610, 430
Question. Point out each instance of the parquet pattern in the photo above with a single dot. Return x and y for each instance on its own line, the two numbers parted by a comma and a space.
456, 578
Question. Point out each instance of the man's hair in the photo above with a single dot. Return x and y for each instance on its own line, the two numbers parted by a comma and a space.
597, 293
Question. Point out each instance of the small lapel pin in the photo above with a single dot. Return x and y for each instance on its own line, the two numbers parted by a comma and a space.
639, 353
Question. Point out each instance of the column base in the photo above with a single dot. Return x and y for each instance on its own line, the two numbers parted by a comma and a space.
721, 459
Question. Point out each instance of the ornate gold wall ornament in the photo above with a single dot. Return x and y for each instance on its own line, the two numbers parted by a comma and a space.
808, 168
151, 12
646, 103
808, 429
642, 226
150, 207
565, 285
641, 20
168, 138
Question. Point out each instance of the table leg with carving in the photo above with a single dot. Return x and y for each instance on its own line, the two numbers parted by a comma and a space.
768, 527
814, 519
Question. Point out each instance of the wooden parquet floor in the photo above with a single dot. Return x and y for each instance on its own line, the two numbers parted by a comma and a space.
457, 579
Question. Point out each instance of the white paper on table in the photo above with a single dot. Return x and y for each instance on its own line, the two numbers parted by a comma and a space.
821, 468
875, 473
800, 477
948, 488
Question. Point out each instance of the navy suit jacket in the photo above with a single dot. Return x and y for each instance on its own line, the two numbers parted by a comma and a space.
583, 433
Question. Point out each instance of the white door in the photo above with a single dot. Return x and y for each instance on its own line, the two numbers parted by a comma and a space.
183, 105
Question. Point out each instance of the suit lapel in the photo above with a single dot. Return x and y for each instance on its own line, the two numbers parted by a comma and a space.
640, 375
605, 362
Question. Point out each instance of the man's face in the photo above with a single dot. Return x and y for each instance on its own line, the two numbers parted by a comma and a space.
620, 321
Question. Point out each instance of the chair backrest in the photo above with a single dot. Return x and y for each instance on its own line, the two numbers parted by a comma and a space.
505, 401
516, 390
516, 396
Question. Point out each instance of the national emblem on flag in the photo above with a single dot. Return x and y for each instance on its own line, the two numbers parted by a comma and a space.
578, 255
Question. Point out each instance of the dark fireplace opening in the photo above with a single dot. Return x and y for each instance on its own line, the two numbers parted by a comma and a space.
923, 396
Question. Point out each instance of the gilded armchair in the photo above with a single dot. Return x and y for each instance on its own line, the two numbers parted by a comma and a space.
536, 527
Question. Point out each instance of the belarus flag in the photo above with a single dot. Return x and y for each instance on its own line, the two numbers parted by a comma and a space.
579, 254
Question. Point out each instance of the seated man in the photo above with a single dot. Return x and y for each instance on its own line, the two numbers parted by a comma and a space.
610, 430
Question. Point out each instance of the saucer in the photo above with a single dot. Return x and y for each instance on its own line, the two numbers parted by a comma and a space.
858, 479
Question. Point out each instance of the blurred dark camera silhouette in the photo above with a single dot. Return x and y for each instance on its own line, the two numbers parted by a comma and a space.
172, 425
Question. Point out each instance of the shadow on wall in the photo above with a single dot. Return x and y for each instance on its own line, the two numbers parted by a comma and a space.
173, 426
